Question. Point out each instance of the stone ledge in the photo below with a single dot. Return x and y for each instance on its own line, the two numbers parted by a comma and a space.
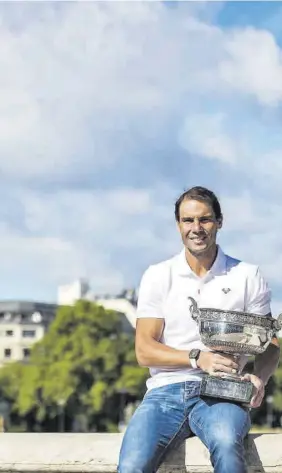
98, 453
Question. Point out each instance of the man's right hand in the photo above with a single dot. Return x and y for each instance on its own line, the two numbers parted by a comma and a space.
217, 364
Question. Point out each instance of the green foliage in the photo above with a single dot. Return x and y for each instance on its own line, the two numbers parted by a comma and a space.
97, 396
11, 377
132, 379
84, 364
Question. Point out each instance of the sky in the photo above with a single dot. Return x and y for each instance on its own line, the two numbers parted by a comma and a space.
109, 111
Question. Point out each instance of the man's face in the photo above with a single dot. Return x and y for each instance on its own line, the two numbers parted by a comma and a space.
198, 226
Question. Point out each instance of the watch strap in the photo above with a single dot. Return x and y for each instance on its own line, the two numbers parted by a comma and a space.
193, 357
193, 363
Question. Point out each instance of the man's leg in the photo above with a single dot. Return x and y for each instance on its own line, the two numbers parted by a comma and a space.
222, 427
157, 425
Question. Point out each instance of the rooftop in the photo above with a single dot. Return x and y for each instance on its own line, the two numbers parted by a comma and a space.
26, 306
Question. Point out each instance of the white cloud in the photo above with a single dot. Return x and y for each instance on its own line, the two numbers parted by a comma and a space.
254, 150
253, 64
51, 261
71, 234
82, 85
244, 214
75, 78
86, 212
204, 135
270, 166
61, 74
252, 232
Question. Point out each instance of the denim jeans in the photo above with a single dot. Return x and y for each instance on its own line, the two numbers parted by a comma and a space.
170, 414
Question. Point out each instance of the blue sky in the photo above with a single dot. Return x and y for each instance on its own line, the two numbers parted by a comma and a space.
108, 111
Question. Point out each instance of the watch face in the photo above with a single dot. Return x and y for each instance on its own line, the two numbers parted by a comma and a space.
194, 353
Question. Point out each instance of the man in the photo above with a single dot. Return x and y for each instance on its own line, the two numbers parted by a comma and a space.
167, 336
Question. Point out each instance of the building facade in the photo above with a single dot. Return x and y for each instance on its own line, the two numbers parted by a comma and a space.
21, 325
123, 303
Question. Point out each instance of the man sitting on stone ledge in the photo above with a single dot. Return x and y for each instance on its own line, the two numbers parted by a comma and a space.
169, 343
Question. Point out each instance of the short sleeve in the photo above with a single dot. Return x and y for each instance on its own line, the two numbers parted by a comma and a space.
258, 295
150, 296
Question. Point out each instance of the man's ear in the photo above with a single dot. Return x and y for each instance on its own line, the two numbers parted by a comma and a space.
219, 222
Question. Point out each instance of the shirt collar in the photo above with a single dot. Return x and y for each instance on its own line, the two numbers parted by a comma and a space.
218, 267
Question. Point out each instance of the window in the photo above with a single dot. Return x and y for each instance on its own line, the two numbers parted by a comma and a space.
7, 352
28, 333
9, 333
26, 352
36, 317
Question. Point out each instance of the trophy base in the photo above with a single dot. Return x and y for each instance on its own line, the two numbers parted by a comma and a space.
231, 389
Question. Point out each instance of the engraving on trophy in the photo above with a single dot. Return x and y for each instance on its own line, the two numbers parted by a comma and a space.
226, 389
237, 333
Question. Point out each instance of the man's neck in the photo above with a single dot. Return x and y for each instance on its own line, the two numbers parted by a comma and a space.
201, 264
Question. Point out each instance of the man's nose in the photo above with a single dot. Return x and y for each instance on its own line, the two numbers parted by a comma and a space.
196, 226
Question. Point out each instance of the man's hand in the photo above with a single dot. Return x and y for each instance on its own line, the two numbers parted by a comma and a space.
217, 364
258, 394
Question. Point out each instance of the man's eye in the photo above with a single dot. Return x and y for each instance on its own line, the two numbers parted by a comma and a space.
207, 220
201, 220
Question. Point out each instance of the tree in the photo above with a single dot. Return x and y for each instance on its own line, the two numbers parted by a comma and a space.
83, 366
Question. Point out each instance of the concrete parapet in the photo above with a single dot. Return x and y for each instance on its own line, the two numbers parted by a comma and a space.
98, 453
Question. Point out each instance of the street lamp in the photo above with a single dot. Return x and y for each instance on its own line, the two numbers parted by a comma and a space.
269, 410
122, 403
61, 404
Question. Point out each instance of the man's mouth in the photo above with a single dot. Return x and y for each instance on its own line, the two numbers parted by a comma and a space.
198, 240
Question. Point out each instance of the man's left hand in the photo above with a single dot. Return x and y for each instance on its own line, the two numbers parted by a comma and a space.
258, 394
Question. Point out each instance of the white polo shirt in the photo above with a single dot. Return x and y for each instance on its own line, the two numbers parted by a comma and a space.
164, 290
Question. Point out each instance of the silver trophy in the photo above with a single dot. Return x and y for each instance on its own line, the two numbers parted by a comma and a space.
236, 333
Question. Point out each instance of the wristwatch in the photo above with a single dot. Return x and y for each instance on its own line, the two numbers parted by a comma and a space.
193, 357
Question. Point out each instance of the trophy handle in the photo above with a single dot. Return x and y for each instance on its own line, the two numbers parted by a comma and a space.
195, 313
277, 325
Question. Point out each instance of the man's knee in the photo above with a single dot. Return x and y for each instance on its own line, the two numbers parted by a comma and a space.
224, 438
227, 451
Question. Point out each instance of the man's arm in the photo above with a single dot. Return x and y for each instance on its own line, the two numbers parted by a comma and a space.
264, 366
266, 363
150, 352
150, 322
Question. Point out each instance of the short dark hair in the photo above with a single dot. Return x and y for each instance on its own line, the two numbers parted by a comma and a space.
202, 194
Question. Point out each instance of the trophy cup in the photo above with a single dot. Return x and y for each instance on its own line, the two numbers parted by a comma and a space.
236, 333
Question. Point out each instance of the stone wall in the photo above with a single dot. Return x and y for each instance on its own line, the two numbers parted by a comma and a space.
31, 452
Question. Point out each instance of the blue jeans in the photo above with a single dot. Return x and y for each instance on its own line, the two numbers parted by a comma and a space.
170, 414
